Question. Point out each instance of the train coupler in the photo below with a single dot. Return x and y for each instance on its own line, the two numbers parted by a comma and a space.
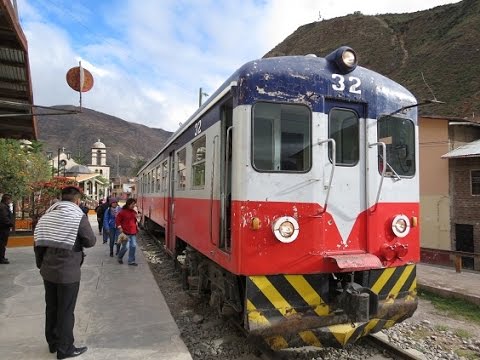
358, 303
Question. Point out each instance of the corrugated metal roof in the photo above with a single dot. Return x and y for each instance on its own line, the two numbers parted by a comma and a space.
470, 150
16, 100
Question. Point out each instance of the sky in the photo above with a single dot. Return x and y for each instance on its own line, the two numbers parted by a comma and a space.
149, 58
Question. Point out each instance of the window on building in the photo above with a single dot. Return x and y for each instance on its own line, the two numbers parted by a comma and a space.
475, 181
198, 163
281, 137
181, 169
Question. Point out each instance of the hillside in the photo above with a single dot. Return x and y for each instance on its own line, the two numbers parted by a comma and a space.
127, 143
443, 43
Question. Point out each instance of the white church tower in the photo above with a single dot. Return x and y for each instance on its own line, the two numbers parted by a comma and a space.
99, 160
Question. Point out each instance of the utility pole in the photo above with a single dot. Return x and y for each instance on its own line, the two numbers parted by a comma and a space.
118, 165
200, 95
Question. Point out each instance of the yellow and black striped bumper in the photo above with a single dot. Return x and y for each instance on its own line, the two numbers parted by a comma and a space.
297, 310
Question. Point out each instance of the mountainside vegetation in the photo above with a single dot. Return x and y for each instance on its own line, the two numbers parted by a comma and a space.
440, 45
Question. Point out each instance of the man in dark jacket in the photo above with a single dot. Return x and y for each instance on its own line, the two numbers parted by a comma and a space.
100, 209
6, 222
60, 236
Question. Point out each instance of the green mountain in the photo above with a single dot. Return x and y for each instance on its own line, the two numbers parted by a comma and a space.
434, 53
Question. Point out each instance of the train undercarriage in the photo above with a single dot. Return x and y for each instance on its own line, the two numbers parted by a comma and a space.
332, 309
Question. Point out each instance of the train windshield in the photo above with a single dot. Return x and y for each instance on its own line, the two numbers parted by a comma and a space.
398, 134
281, 137
343, 126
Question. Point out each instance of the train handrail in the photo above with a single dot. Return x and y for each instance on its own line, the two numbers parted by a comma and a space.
227, 156
334, 164
384, 169
212, 179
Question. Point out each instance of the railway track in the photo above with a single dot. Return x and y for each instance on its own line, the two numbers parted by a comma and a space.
379, 342
261, 351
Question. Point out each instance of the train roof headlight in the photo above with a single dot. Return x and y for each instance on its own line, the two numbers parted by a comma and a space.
285, 229
401, 226
349, 58
344, 58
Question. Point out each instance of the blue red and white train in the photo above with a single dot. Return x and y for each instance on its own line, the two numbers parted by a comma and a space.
291, 198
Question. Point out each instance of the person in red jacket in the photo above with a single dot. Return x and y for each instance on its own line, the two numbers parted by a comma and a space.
126, 222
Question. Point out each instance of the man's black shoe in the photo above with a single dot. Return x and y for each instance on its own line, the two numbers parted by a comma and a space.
4, 261
133, 264
52, 348
120, 261
75, 352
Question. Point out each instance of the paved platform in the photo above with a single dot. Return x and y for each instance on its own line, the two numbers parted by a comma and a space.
446, 282
120, 313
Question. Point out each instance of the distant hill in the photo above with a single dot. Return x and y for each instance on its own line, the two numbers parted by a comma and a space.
127, 143
443, 43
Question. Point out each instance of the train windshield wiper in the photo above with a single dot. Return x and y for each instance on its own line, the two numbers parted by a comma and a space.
391, 168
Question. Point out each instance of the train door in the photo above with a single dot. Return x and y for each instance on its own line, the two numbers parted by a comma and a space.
226, 175
170, 233
345, 191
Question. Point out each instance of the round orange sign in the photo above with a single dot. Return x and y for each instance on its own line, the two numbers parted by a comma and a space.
74, 78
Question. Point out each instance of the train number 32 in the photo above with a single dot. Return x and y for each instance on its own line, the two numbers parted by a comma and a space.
339, 84
198, 127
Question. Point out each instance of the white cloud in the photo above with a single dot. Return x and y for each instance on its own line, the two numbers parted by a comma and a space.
150, 58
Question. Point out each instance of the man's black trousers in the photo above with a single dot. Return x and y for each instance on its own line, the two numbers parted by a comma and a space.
59, 322
3, 242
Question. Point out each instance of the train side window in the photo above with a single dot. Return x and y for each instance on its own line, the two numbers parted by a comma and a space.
158, 178
281, 137
181, 169
398, 134
152, 185
149, 176
343, 127
198, 163
164, 169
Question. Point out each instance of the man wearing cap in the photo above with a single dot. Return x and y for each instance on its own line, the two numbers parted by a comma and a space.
60, 237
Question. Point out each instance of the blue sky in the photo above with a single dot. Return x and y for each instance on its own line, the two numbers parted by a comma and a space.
150, 57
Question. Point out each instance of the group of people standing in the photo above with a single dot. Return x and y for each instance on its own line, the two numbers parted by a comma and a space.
114, 221
60, 237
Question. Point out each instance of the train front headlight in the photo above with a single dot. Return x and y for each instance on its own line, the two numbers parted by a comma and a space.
401, 226
285, 229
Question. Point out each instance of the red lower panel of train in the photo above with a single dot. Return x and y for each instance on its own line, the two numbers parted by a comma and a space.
368, 242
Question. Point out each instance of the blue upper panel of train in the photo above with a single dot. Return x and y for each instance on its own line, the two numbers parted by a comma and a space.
309, 79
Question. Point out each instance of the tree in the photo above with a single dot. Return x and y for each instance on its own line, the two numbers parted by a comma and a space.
43, 194
20, 167
138, 165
